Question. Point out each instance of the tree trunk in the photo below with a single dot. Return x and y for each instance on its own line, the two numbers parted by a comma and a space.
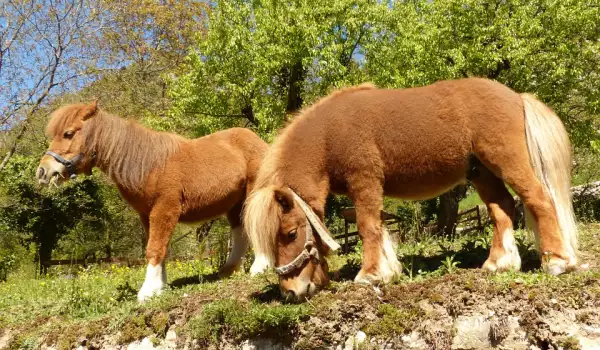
448, 210
294, 100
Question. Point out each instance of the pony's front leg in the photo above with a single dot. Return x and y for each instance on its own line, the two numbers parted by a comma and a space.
163, 218
380, 263
239, 247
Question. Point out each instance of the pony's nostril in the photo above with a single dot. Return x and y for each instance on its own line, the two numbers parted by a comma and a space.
40, 172
288, 294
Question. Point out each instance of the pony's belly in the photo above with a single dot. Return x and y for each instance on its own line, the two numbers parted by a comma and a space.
423, 187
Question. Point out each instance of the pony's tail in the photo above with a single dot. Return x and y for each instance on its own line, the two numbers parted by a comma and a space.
550, 155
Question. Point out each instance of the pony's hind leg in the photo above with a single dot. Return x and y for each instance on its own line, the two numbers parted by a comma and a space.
239, 245
380, 263
512, 164
504, 254
162, 221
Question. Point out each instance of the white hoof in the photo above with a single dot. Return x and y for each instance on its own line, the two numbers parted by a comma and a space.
156, 279
367, 278
511, 260
260, 265
508, 262
148, 292
556, 266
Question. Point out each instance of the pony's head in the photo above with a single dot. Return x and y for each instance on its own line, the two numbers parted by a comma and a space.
286, 231
65, 157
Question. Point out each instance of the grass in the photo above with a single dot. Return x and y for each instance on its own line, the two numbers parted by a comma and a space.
71, 304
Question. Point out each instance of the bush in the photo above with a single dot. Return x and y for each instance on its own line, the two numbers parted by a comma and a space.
7, 263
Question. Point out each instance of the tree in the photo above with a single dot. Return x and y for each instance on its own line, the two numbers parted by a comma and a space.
43, 217
46, 47
261, 61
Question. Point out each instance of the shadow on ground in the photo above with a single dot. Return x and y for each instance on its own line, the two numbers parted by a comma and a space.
185, 281
470, 256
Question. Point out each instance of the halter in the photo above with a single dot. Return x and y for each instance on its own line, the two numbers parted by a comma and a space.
309, 251
70, 165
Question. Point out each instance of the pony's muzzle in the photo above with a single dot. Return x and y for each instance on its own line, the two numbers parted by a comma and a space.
50, 171
298, 294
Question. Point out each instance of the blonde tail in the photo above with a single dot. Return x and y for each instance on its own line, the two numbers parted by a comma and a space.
550, 155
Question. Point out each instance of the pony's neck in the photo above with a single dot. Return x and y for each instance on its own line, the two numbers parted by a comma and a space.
125, 150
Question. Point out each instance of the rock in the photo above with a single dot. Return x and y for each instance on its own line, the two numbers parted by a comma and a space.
471, 332
260, 344
351, 342
145, 344
171, 336
414, 341
5, 339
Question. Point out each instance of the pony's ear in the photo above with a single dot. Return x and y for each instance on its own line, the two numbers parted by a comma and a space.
285, 198
90, 110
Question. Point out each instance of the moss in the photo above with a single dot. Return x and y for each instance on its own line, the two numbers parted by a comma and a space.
569, 343
243, 320
134, 328
393, 321
159, 323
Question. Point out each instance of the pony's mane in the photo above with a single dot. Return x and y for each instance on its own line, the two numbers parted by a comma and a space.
124, 149
127, 151
261, 212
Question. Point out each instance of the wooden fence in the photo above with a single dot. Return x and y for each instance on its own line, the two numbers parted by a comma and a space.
469, 220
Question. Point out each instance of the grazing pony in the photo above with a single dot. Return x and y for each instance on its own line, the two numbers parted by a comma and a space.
414, 144
164, 177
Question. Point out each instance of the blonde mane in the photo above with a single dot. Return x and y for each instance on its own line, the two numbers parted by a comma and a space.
261, 211
124, 149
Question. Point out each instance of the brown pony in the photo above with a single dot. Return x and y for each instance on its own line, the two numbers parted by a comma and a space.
414, 144
164, 177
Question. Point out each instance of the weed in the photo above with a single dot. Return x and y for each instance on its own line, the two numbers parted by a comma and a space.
449, 265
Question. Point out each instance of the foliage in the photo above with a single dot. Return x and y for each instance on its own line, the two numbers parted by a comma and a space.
261, 60
42, 217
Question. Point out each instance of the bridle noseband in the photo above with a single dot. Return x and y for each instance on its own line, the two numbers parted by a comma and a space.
70, 165
309, 251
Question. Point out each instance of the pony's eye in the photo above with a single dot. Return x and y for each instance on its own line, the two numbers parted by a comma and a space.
292, 234
69, 134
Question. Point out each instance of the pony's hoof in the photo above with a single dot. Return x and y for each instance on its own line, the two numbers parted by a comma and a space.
226, 271
260, 265
368, 278
555, 266
146, 293
506, 263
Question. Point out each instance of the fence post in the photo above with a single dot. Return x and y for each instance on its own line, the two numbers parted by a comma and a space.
345, 236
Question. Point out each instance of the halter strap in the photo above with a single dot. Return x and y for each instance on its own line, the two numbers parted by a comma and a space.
70, 165
309, 251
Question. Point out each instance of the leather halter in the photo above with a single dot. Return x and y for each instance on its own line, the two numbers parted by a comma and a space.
70, 165
309, 251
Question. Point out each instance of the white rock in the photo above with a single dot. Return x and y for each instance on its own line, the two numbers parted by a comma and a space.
171, 336
414, 341
145, 344
351, 342
471, 332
